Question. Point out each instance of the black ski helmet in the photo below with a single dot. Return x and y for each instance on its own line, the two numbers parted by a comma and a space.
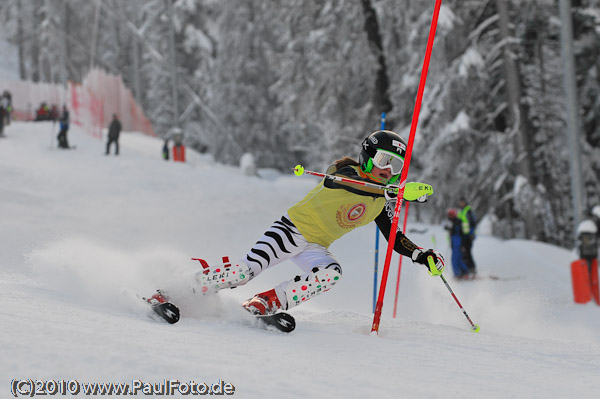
385, 140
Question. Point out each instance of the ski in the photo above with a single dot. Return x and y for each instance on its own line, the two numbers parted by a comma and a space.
162, 307
492, 277
159, 304
166, 310
498, 278
282, 321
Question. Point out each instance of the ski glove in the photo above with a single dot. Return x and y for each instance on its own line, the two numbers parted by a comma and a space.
413, 192
421, 256
419, 192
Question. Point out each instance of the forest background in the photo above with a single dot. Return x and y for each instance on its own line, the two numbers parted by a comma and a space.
305, 81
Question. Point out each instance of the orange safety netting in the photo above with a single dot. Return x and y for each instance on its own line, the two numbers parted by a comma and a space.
91, 104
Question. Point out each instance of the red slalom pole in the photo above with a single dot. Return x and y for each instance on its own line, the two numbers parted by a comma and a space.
411, 139
400, 262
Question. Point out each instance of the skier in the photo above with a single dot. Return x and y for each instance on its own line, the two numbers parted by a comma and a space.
6, 101
468, 222
64, 128
165, 150
305, 232
2, 119
454, 227
114, 130
595, 213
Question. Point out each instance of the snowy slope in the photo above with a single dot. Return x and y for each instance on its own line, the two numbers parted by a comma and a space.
82, 233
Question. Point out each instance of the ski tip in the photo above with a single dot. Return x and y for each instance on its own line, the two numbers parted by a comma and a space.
475, 328
299, 170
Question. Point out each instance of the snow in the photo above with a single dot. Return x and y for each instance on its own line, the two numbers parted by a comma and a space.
461, 123
84, 232
470, 59
447, 19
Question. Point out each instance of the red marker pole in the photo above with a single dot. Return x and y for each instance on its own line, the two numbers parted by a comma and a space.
411, 139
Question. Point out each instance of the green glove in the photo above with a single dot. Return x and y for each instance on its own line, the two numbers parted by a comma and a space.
414, 191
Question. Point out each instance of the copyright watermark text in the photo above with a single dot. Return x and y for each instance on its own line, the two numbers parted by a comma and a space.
31, 388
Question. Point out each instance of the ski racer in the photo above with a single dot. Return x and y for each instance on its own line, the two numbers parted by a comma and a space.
306, 231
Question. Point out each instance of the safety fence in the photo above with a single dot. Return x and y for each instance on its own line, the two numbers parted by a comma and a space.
91, 103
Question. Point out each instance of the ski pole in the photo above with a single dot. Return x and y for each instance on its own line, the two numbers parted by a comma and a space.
474, 327
52, 134
299, 171
375, 267
411, 191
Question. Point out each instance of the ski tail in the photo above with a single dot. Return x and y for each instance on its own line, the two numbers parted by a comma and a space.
282, 321
168, 311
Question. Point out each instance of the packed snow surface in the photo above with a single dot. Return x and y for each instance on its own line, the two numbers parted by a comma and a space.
84, 233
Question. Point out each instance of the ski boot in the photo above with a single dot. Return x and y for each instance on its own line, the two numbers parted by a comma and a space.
225, 275
265, 303
303, 288
292, 293
158, 298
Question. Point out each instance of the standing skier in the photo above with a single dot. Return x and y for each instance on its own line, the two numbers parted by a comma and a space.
114, 130
454, 227
64, 129
469, 223
306, 231
595, 213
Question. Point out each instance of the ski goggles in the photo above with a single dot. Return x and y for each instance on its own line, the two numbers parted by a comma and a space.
388, 160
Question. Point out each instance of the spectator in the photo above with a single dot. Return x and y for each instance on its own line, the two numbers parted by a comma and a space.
454, 227
596, 218
54, 113
42, 113
114, 130
165, 150
1, 120
64, 128
468, 224
6, 105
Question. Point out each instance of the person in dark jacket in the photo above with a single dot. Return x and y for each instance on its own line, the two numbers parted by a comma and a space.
165, 150
454, 227
1, 120
469, 223
64, 128
595, 214
114, 130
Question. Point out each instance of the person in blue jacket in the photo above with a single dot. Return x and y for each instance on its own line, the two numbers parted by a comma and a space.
64, 129
468, 223
454, 227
